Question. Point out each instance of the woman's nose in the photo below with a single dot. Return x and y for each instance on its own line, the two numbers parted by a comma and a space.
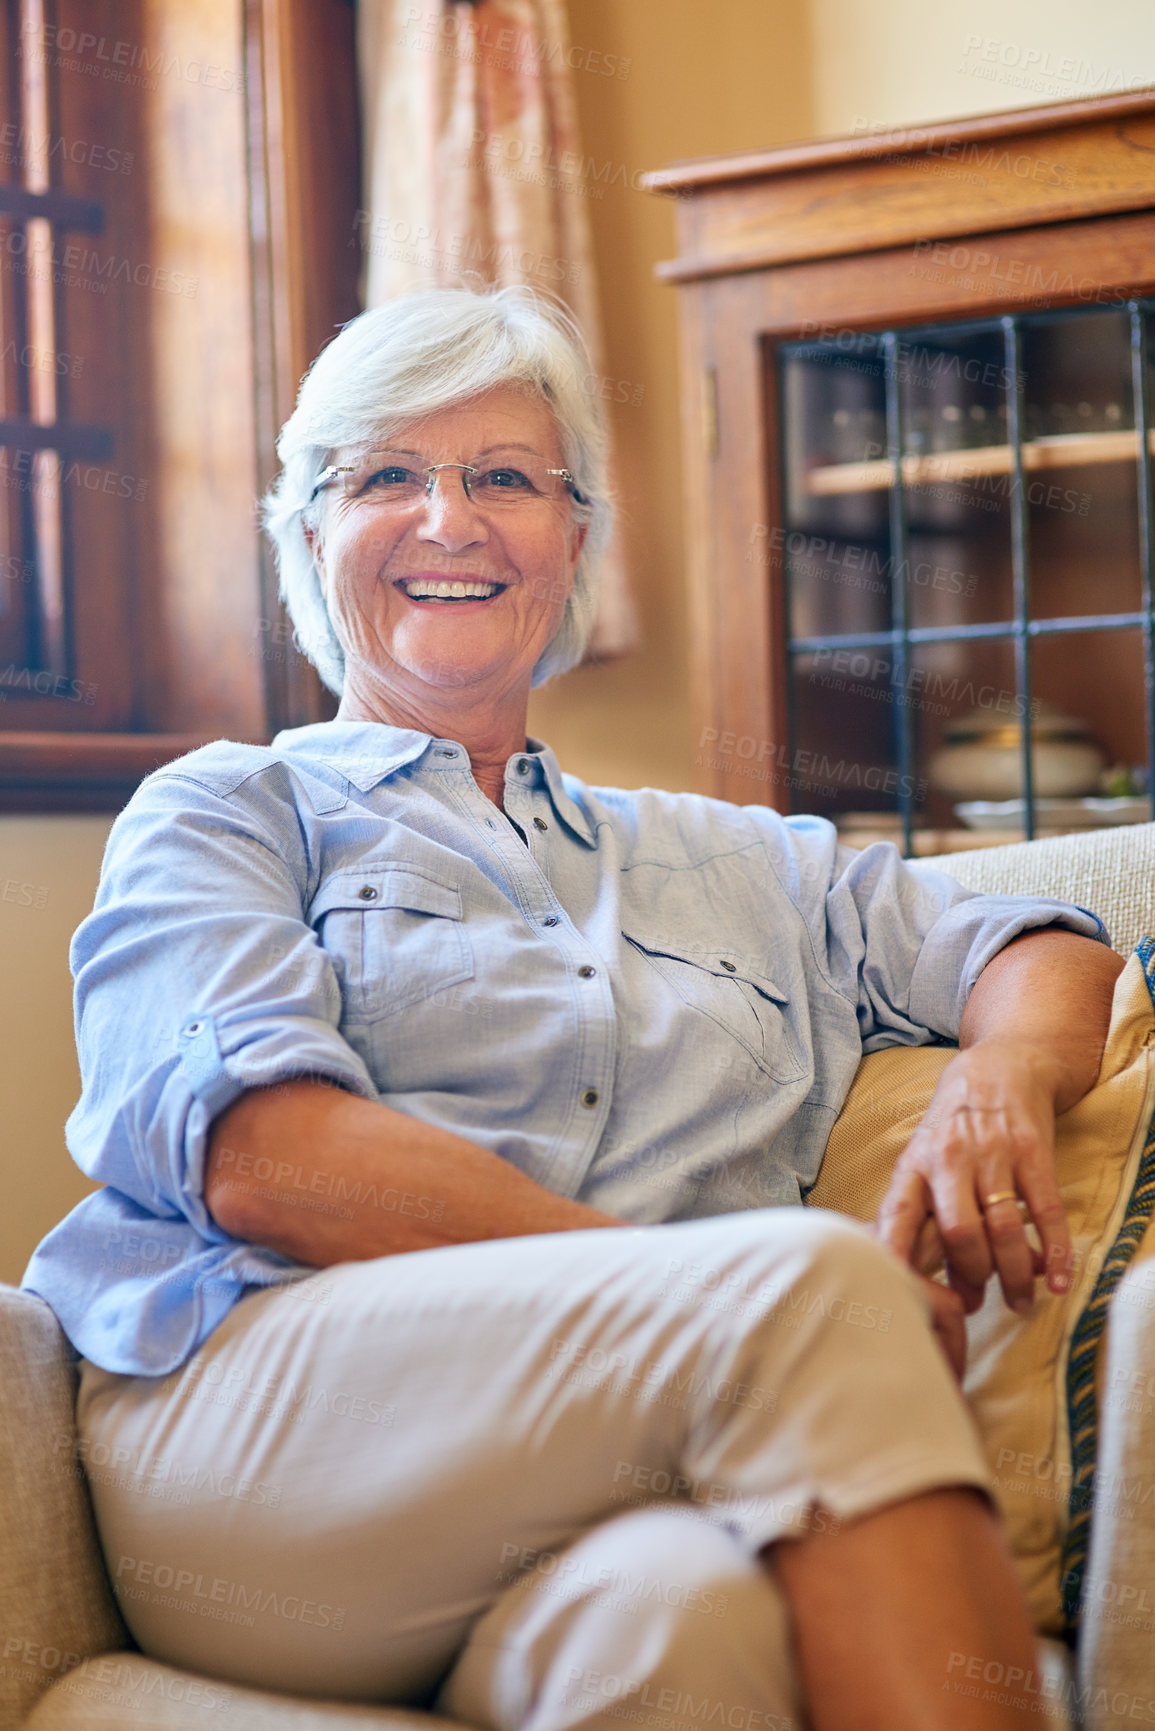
448, 515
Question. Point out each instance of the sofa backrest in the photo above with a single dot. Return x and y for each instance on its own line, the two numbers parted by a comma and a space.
1110, 871
56, 1606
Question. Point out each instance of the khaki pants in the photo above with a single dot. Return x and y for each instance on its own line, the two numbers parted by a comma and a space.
534, 1475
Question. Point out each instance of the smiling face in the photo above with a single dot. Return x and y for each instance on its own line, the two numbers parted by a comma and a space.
443, 595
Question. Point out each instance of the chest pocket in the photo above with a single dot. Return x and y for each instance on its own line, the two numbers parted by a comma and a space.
395, 936
745, 1003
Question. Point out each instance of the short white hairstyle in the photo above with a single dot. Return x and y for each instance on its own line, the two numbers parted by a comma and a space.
399, 362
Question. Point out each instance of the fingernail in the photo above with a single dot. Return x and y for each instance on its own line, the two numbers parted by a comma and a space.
1023, 1306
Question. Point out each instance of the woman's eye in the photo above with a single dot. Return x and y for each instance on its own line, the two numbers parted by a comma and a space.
393, 476
505, 481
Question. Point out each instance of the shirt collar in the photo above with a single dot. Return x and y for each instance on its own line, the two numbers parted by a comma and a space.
567, 808
364, 752
369, 752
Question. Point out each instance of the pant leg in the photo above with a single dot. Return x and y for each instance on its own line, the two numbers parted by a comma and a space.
659, 1617
328, 1495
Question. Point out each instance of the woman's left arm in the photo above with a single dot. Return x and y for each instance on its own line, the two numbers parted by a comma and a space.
1031, 1041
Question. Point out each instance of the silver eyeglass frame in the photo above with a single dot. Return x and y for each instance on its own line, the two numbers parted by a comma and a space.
329, 475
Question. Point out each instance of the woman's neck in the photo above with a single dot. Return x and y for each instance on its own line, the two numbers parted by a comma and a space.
490, 734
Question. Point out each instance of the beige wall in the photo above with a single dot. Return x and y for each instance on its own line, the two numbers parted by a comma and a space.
49, 868
701, 81
900, 62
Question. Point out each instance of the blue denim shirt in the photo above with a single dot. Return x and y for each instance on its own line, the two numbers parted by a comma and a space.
652, 1002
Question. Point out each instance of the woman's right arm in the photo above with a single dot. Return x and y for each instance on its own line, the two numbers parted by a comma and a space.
217, 1086
324, 1176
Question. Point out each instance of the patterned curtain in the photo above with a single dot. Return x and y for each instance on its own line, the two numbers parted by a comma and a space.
473, 174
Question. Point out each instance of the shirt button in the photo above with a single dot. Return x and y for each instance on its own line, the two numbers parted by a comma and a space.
523, 766
590, 1097
552, 920
729, 966
540, 823
367, 893
586, 972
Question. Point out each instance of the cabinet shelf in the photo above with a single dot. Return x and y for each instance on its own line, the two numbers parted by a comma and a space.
927, 843
969, 463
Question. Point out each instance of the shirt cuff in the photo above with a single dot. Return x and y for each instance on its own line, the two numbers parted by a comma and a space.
276, 1052
969, 935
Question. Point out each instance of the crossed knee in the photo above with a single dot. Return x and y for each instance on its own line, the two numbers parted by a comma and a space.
642, 1611
826, 1268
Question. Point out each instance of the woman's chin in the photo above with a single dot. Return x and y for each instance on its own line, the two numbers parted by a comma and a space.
456, 657
439, 667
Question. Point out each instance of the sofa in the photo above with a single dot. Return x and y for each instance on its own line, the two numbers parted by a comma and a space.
66, 1660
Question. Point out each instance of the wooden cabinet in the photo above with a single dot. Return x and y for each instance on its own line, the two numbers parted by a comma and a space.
918, 406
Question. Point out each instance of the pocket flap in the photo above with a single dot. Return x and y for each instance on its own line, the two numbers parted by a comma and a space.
394, 886
722, 963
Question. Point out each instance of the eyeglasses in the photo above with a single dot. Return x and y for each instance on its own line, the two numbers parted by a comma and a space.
393, 485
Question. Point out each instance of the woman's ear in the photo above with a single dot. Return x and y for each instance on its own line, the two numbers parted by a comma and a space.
316, 547
577, 542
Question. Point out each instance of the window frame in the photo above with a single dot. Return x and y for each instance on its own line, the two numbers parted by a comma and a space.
169, 650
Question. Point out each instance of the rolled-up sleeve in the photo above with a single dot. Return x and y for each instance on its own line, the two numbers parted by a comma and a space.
906, 941
197, 977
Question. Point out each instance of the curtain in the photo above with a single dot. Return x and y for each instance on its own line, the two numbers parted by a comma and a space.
473, 175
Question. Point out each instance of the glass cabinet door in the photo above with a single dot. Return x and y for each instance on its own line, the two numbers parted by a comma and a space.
967, 554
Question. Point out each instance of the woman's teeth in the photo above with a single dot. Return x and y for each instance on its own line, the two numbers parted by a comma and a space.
421, 590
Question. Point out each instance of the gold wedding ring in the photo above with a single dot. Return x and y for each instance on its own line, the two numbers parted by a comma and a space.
1000, 1196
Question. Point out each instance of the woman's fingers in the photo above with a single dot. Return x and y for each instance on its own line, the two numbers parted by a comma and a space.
908, 1226
949, 1173
1010, 1250
905, 1212
929, 1257
968, 1184
1015, 1188
949, 1324
1039, 1188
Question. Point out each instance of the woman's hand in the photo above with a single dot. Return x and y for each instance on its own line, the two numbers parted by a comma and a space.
989, 1132
1031, 1036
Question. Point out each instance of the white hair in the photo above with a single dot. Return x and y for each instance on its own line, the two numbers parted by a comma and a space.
400, 362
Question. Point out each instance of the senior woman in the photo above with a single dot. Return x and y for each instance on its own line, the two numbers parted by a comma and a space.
444, 1338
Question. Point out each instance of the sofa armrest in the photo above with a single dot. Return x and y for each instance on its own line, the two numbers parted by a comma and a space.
1110, 871
1117, 1640
56, 1607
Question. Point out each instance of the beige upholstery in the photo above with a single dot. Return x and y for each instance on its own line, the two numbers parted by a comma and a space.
62, 1658
55, 1603
1117, 1646
123, 1692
